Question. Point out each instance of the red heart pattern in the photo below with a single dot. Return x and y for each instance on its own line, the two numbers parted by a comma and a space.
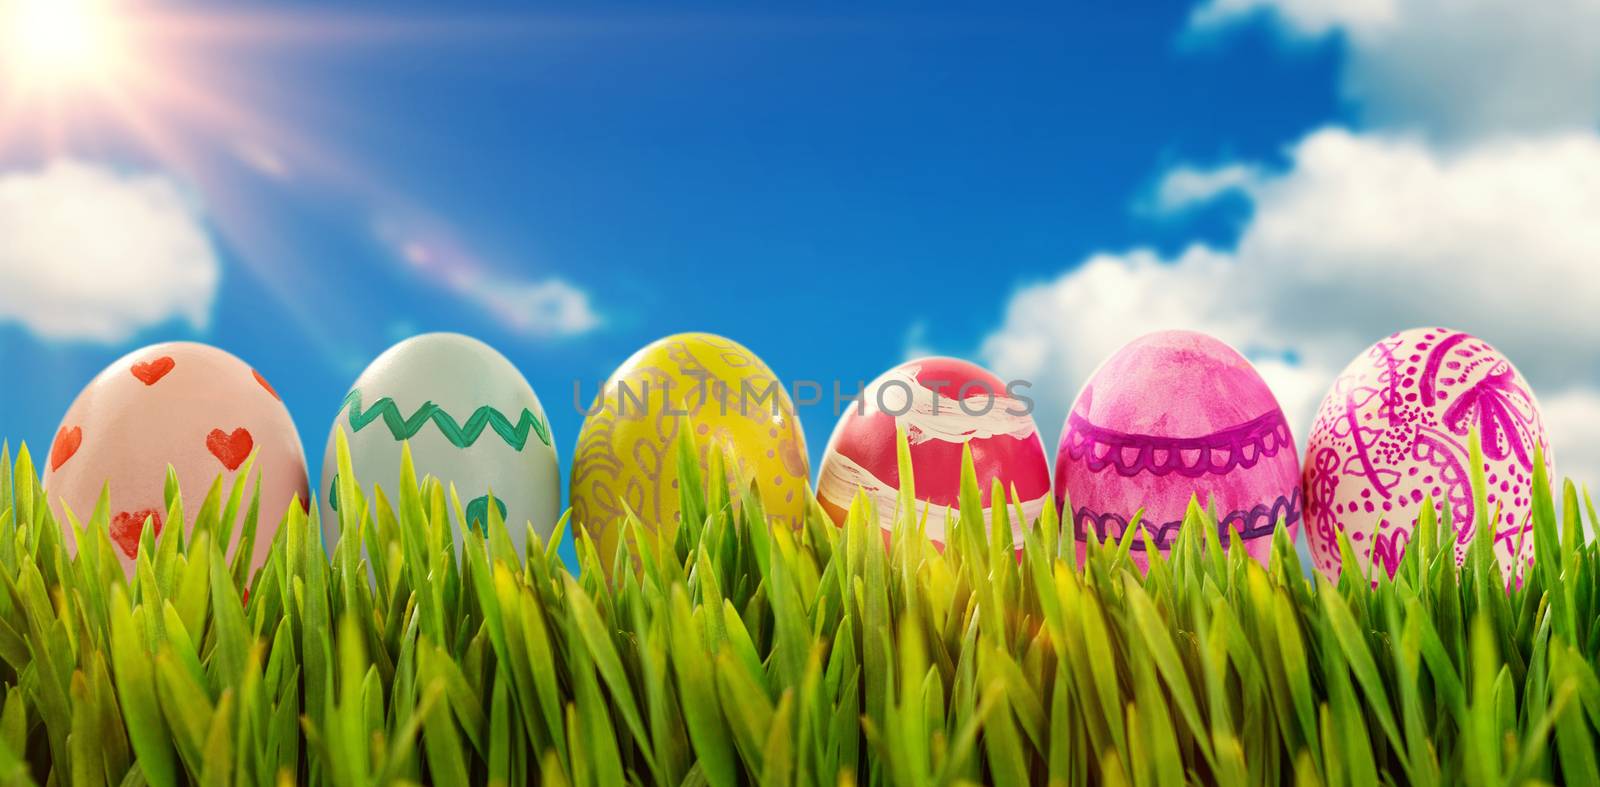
66, 444
151, 372
128, 525
231, 449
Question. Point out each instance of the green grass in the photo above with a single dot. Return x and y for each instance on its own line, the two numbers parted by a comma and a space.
730, 654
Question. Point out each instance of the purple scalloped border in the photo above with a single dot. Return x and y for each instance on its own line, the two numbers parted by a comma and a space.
1257, 522
1267, 434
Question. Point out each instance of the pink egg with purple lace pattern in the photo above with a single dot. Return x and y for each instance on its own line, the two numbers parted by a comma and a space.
1395, 428
1171, 416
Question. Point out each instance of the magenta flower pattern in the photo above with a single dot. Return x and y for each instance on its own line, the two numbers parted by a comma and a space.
1394, 430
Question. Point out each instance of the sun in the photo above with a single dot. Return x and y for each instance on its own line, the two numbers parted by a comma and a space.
55, 45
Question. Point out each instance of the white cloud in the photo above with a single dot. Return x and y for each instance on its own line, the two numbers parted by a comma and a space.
1362, 235
1499, 239
1456, 69
1573, 420
1299, 17
549, 307
545, 308
91, 254
1186, 186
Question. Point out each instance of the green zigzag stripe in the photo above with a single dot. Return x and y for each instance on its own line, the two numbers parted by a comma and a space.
462, 436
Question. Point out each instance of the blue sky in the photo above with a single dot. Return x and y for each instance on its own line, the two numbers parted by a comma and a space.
830, 185
847, 175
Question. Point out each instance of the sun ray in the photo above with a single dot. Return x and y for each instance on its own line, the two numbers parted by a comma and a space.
200, 94
161, 141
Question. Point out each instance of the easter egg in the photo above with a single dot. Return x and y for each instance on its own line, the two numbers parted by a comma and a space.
627, 452
471, 420
1170, 417
1395, 428
191, 406
944, 405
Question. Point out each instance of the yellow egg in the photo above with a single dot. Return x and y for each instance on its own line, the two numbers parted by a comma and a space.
627, 451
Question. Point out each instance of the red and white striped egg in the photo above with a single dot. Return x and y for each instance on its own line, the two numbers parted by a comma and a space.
944, 405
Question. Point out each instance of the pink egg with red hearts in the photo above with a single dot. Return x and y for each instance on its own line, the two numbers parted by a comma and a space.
1395, 428
1171, 416
944, 405
191, 406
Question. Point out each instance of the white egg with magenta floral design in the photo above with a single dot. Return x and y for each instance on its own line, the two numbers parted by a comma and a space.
1395, 429
471, 419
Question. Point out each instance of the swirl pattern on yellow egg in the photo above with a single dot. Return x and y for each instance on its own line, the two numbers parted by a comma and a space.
626, 454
